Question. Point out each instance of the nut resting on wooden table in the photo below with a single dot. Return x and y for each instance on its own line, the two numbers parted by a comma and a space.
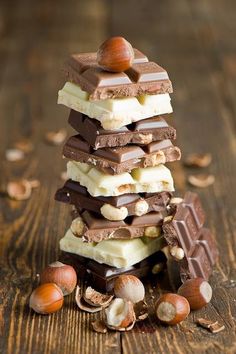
127, 224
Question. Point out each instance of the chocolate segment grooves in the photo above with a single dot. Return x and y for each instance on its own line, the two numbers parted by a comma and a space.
141, 133
121, 159
77, 195
186, 231
143, 77
97, 228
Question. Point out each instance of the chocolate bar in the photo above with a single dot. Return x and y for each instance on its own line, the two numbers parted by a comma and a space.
93, 227
143, 77
121, 159
186, 231
142, 132
77, 195
102, 277
140, 180
120, 253
117, 112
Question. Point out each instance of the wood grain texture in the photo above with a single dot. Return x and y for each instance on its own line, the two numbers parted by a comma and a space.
195, 42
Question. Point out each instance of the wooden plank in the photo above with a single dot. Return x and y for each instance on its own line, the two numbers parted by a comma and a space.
169, 35
41, 37
187, 38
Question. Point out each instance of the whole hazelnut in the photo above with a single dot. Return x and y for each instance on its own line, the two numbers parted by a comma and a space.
120, 314
197, 291
115, 54
129, 287
61, 274
172, 308
46, 299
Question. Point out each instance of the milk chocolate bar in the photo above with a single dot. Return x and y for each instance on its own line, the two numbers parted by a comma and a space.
116, 253
102, 277
143, 77
93, 227
116, 112
121, 159
142, 132
186, 231
77, 195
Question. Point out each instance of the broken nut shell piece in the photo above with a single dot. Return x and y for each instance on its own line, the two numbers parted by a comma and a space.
83, 305
95, 298
120, 314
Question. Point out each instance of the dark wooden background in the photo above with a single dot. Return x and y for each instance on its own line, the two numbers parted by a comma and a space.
195, 42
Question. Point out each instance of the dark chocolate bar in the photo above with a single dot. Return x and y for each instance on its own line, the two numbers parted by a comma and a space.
141, 133
102, 277
77, 195
121, 159
186, 231
96, 228
144, 77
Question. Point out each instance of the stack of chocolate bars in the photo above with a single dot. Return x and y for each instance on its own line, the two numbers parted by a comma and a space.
124, 213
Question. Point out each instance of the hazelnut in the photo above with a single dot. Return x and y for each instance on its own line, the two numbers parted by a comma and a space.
77, 226
197, 291
61, 274
129, 287
120, 314
177, 252
141, 208
46, 299
114, 214
176, 200
152, 231
115, 54
172, 308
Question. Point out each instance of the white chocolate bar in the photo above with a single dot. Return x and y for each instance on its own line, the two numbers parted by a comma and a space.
140, 180
114, 113
116, 253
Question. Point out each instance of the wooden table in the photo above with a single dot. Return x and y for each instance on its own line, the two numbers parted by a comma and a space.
195, 42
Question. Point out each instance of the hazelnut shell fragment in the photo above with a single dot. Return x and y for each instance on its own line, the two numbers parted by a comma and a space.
95, 298
83, 305
172, 308
120, 315
201, 180
55, 138
99, 326
198, 160
197, 291
115, 54
19, 190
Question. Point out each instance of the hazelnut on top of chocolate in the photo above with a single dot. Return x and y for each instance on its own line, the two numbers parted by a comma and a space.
115, 54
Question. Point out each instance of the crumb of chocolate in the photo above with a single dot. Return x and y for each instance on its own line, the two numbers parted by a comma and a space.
201, 180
